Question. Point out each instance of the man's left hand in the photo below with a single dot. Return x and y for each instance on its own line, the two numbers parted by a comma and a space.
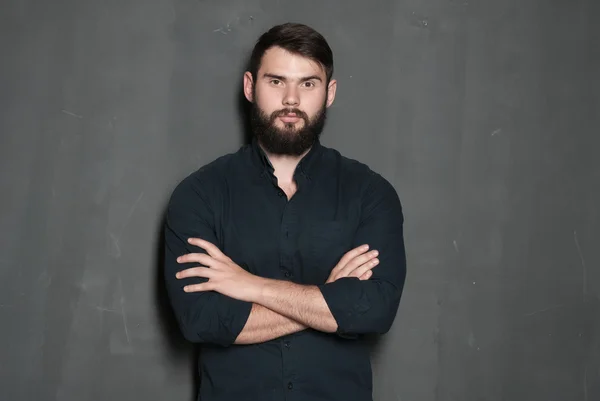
223, 274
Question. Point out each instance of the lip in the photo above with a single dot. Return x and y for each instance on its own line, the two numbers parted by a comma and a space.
289, 118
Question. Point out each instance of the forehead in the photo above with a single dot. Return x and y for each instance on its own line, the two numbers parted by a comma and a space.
281, 62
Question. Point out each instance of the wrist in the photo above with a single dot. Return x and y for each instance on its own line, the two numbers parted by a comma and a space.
259, 286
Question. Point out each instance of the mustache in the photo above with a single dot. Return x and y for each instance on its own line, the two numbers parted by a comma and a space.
295, 111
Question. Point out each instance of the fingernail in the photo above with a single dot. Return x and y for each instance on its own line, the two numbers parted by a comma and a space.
365, 247
186, 289
189, 240
179, 259
178, 275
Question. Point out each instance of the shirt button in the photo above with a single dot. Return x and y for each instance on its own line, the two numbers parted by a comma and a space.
290, 385
280, 193
287, 344
288, 274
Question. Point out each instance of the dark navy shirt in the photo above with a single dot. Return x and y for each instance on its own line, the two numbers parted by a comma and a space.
235, 203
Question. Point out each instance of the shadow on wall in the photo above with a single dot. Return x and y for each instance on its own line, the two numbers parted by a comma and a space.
243, 108
180, 350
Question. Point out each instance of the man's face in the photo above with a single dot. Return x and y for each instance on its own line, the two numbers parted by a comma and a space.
289, 101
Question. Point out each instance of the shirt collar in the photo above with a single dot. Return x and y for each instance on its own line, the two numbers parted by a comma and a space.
305, 166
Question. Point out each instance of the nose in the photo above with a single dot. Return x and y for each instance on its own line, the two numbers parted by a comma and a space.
291, 97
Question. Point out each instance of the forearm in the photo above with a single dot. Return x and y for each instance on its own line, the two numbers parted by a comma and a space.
264, 324
302, 303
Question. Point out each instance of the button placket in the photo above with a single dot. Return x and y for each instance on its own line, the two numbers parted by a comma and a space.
286, 263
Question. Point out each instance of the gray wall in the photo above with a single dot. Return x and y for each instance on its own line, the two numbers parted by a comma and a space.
483, 114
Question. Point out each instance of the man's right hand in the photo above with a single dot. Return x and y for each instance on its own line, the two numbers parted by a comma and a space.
355, 263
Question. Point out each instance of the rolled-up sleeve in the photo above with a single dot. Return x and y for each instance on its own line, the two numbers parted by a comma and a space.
203, 317
370, 306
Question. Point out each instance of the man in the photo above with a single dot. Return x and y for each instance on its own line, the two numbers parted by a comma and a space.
281, 256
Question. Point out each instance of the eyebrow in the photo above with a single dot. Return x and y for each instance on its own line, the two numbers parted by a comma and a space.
282, 78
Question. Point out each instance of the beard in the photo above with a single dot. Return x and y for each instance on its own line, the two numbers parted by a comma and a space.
289, 140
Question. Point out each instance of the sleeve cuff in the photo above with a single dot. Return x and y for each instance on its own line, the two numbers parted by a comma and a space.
239, 312
342, 297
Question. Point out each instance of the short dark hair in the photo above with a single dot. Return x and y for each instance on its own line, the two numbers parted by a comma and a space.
295, 38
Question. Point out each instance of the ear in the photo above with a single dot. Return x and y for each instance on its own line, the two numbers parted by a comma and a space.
248, 86
331, 88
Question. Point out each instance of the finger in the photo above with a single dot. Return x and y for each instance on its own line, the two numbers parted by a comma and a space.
367, 275
197, 258
351, 254
367, 267
199, 271
358, 261
198, 287
364, 274
210, 248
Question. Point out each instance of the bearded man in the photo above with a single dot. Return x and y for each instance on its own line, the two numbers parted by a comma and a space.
282, 256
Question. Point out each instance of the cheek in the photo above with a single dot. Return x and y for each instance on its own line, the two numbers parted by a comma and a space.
268, 108
268, 98
315, 100
314, 106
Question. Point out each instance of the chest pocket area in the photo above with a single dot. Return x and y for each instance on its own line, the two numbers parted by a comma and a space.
323, 245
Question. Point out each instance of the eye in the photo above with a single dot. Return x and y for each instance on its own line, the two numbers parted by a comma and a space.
309, 84
275, 82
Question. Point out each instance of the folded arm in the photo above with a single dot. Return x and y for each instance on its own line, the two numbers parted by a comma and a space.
347, 306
